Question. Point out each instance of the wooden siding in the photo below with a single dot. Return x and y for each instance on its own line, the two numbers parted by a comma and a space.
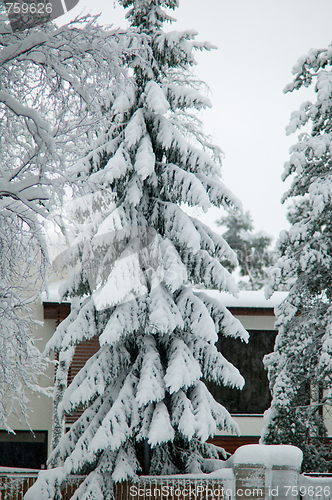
83, 352
232, 443
54, 310
251, 311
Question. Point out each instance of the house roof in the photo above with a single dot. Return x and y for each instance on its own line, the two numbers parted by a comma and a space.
246, 299
52, 294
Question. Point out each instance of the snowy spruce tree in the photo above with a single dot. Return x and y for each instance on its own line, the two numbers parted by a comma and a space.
300, 368
137, 255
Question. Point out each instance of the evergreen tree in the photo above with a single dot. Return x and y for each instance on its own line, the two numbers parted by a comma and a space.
137, 255
252, 249
300, 366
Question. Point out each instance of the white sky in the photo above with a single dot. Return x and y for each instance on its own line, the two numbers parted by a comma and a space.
258, 43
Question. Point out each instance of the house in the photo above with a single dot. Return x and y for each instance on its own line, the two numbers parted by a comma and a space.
247, 406
24, 448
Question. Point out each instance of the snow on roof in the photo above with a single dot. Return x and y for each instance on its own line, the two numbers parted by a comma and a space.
51, 294
247, 298
19, 471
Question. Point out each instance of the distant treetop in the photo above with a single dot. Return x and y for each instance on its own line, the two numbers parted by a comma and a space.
252, 249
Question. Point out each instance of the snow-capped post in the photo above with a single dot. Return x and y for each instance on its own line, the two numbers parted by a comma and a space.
134, 262
266, 472
300, 368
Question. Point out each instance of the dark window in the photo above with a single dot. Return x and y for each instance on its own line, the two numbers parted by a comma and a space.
23, 449
248, 358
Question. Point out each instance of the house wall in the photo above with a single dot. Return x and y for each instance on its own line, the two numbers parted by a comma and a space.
256, 322
40, 416
328, 419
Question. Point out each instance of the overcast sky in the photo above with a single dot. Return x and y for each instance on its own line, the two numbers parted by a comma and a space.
258, 43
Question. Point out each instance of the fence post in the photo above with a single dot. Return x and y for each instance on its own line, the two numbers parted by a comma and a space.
250, 481
267, 472
285, 482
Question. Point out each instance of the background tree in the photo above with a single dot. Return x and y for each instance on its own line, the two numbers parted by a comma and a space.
50, 102
138, 255
252, 249
300, 367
